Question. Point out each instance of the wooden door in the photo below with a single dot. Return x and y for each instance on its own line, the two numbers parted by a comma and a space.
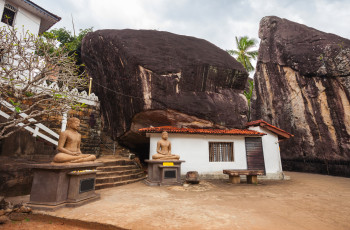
255, 154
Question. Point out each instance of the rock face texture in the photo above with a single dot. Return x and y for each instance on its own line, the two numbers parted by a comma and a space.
302, 85
148, 77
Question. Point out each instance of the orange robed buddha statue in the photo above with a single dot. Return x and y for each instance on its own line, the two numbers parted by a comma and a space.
164, 149
69, 145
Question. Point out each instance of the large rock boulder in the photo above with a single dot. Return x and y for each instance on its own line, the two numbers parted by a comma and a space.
149, 77
302, 84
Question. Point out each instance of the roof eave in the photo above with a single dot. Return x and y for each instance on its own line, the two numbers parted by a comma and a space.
281, 135
279, 132
217, 134
46, 24
48, 19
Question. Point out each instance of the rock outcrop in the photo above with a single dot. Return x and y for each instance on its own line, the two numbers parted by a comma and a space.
16, 176
10, 212
148, 77
302, 85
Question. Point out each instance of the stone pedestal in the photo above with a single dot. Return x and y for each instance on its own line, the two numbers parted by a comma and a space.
55, 186
164, 172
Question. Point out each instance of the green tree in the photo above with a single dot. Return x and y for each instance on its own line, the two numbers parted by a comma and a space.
36, 79
242, 54
248, 94
67, 41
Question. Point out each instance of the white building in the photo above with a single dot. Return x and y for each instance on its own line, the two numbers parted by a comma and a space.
210, 151
18, 13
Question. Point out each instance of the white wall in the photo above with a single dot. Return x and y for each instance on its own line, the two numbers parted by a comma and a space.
24, 21
2, 4
30, 21
271, 150
23, 18
194, 149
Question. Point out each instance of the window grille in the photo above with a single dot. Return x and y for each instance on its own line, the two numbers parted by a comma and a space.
10, 7
9, 14
221, 151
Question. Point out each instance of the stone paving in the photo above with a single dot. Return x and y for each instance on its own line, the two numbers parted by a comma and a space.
307, 201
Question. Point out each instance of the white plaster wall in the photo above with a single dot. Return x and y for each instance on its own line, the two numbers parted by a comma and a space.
271, 150
23, 19
30, 21
2, 4
194, 149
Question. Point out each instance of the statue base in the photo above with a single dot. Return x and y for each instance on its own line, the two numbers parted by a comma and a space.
63, 185
164, 172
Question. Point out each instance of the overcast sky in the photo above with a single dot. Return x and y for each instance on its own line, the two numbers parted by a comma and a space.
217, 21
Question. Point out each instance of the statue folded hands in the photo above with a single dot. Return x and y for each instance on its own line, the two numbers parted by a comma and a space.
164, 149
69, 145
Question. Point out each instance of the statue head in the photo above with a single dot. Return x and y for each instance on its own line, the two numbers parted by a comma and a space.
165, 135
73, 123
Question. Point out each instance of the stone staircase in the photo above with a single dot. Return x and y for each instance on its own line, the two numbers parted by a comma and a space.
117, 171
109, 147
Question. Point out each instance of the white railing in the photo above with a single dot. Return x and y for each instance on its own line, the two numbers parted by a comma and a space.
81, 97
35, 131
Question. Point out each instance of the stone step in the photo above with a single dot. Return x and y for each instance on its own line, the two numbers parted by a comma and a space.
106, 151
109, 147
117, 162
104, 180
117, 168
118, 173
110, 185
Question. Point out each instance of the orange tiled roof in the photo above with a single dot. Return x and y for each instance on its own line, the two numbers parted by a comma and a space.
260, 122
171, 129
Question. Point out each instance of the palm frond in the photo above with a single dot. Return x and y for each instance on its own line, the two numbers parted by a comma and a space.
253, 54
243, 55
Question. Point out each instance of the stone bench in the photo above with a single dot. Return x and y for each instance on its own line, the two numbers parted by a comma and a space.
252, 175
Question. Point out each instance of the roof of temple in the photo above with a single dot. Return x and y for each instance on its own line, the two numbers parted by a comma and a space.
171, 129
280, 132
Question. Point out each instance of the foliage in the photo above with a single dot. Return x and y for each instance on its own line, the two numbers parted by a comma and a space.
27, 63
242, 54
248, 95
69, 42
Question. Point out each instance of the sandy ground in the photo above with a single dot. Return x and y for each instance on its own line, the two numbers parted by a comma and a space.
307, 201
45, 222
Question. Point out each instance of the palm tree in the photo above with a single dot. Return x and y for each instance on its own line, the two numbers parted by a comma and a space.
243, 55
248, 94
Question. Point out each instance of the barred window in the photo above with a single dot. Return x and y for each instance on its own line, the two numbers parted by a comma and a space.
8, 15
220, 151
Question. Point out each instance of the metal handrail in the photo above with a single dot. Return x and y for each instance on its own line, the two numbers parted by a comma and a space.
105, 144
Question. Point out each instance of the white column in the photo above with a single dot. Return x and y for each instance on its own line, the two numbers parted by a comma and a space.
64, 122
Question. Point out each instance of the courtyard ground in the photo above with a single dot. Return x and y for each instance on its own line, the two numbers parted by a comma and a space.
307, 201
